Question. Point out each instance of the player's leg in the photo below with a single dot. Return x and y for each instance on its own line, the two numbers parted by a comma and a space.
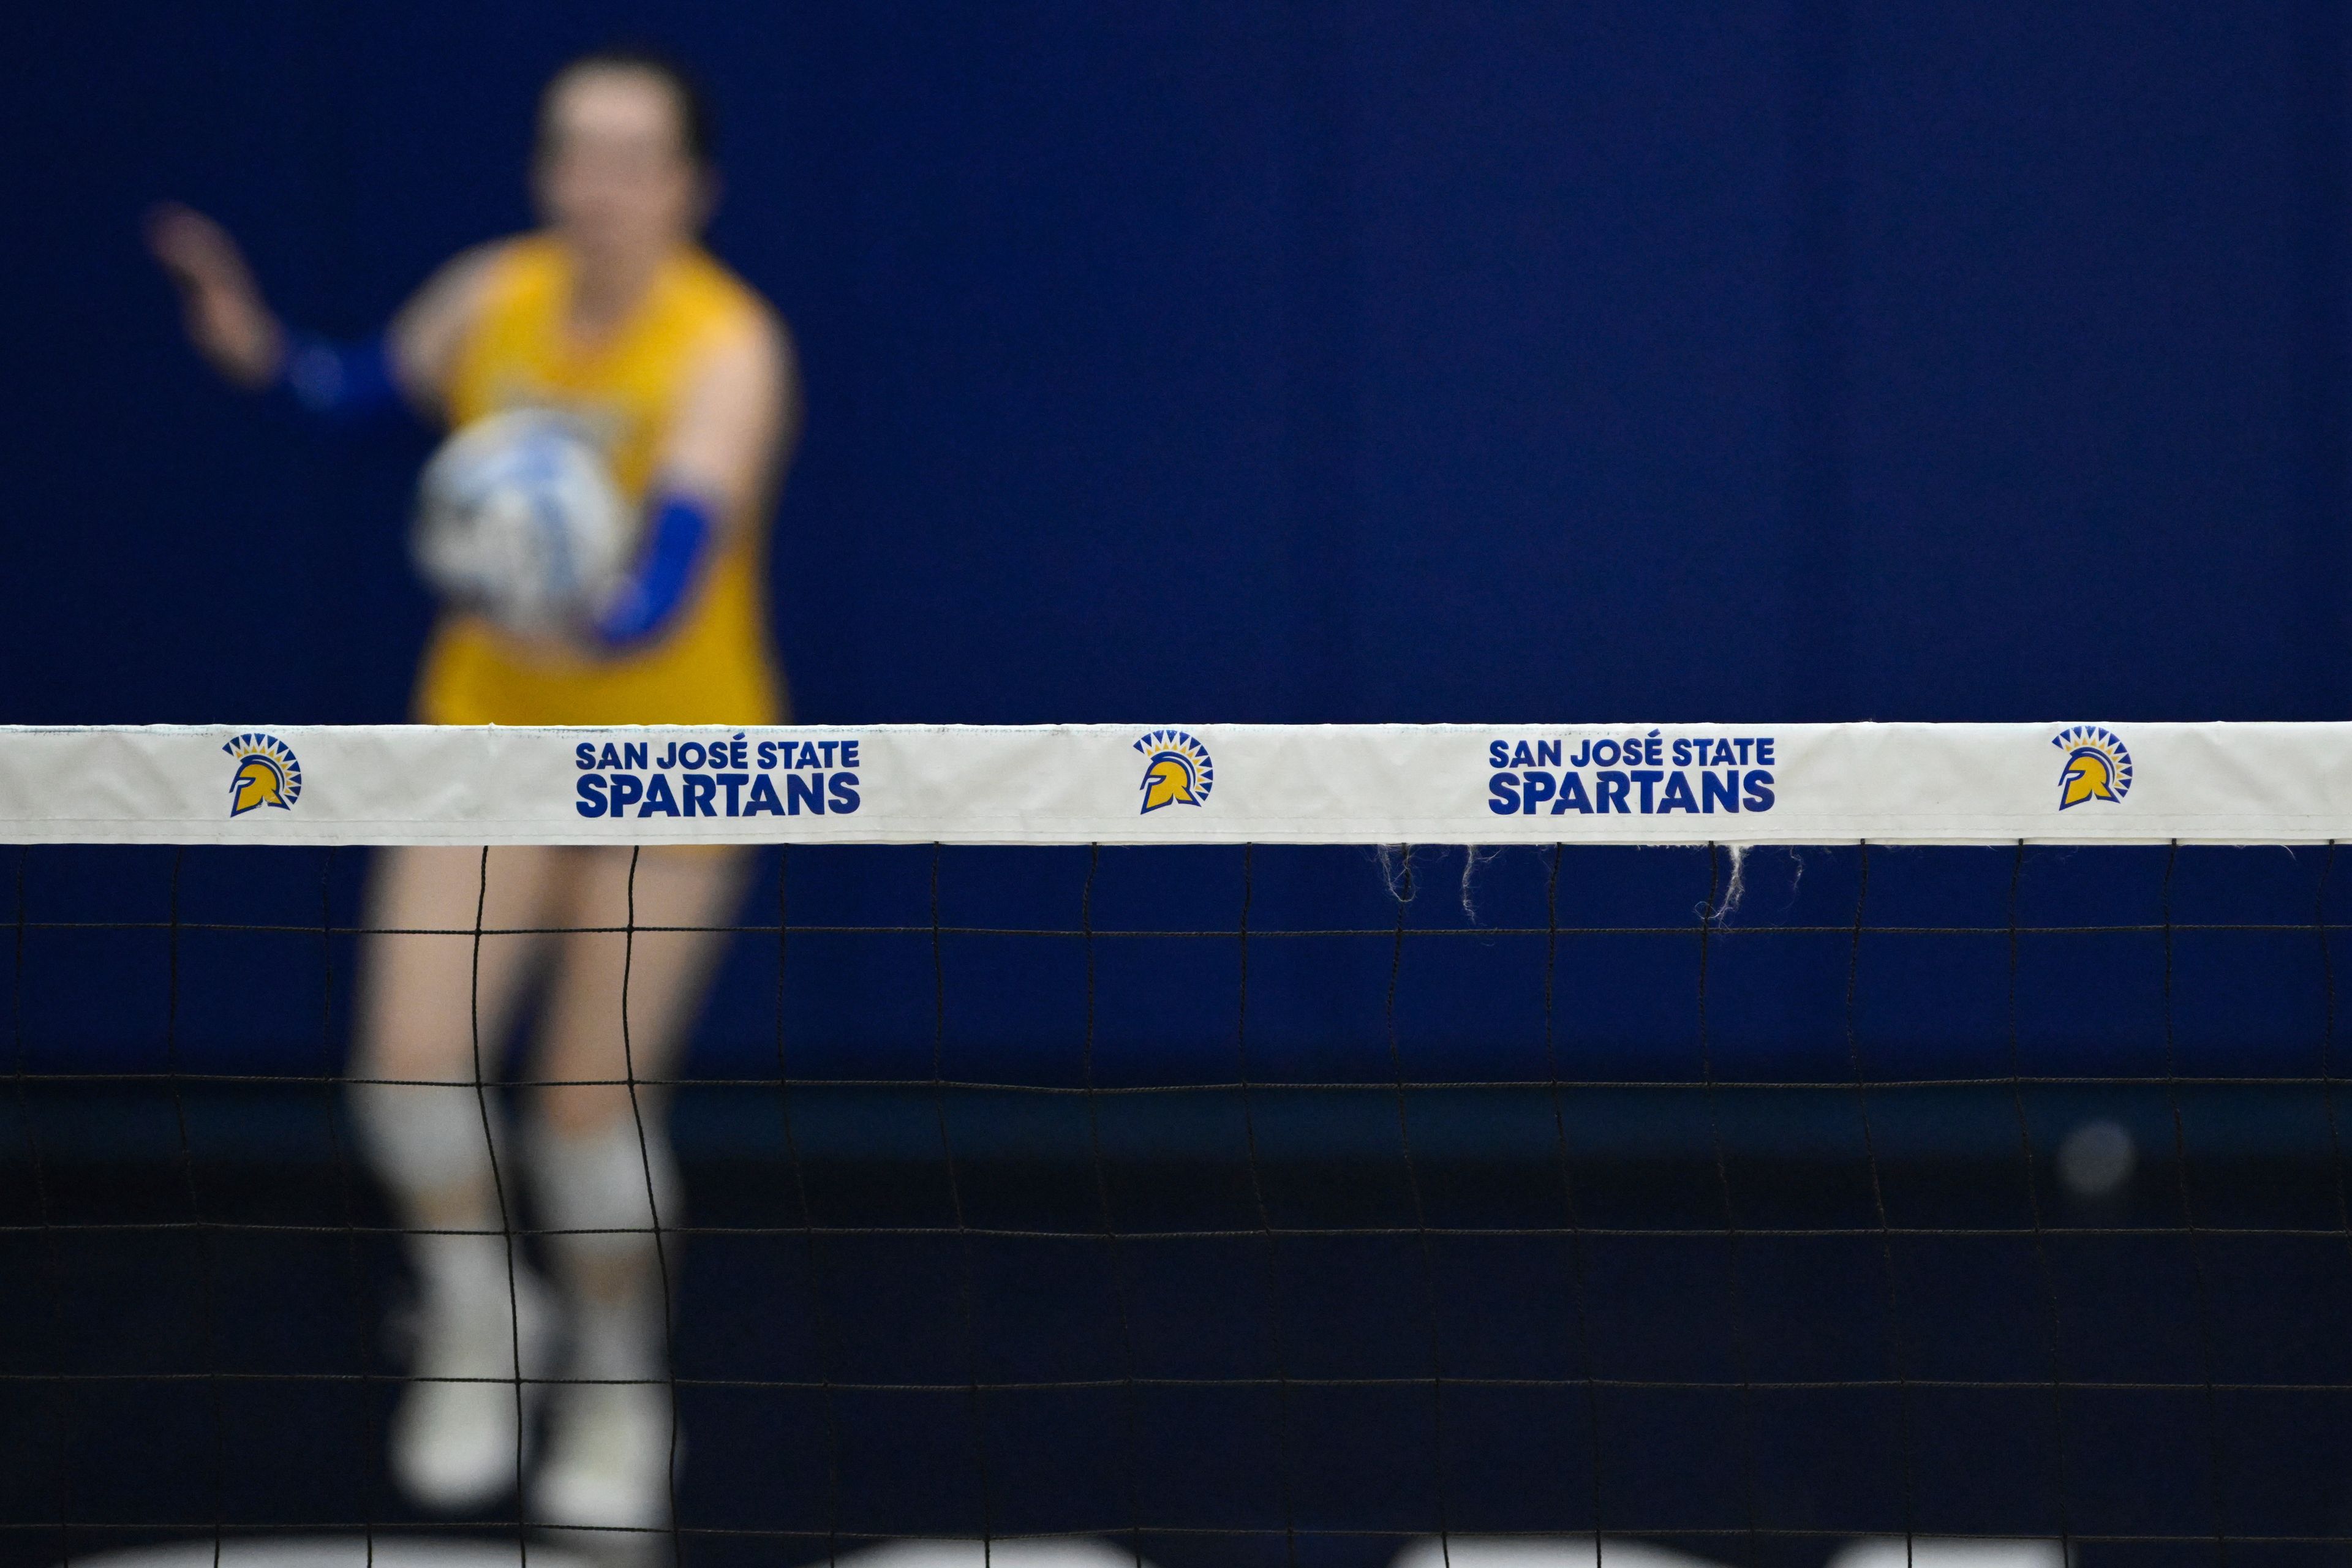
433, 1010
599, 1154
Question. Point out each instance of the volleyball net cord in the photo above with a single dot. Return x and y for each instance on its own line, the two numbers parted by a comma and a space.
1227, 1139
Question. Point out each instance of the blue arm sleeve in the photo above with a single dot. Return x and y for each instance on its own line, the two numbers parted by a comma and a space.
342, 383
676, 539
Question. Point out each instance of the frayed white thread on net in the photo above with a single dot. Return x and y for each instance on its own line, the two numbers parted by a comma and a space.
1472, 859
1395, 861
1734, 891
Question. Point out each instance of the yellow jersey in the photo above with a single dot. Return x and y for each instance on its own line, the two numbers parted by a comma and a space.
712, 664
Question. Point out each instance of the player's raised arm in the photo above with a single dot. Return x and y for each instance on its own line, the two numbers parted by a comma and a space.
232, 325
227, 319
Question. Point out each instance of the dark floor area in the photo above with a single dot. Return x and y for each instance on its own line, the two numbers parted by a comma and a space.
1300, 1358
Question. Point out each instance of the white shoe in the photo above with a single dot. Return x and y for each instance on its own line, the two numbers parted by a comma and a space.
609, 1458
455, 1444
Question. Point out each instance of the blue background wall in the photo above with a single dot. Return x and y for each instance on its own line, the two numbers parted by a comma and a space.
1300, 362
1305, 362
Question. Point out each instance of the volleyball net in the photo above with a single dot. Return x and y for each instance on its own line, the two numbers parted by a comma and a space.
1221, 1144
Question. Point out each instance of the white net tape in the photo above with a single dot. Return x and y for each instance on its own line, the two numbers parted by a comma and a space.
1209, 784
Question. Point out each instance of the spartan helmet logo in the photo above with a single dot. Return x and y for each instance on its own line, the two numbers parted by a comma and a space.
1168, 781
266, 774
2098, 767
257, 782
1176, 770
2088, 776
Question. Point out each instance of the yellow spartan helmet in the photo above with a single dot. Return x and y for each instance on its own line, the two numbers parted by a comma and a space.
2090, 775
1168, 781
257, 782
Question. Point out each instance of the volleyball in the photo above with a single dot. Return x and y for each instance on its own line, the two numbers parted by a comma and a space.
519, 519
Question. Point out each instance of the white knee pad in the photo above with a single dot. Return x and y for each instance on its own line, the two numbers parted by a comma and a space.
424, 1138
428, 1145
607, 1181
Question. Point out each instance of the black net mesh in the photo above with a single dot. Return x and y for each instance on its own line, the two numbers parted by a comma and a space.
1265, 1205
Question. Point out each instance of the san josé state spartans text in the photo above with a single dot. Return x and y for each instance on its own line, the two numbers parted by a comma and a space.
1650, 775
728, 777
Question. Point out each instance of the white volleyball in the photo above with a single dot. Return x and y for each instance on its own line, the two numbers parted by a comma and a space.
518, 518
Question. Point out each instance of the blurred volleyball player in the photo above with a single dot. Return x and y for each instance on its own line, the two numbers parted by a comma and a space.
611, 311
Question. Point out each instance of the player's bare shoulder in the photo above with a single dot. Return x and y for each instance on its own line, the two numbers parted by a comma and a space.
432, 326
748, 355
785, 359
740, 412
744, 320
772, 360
759, 344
